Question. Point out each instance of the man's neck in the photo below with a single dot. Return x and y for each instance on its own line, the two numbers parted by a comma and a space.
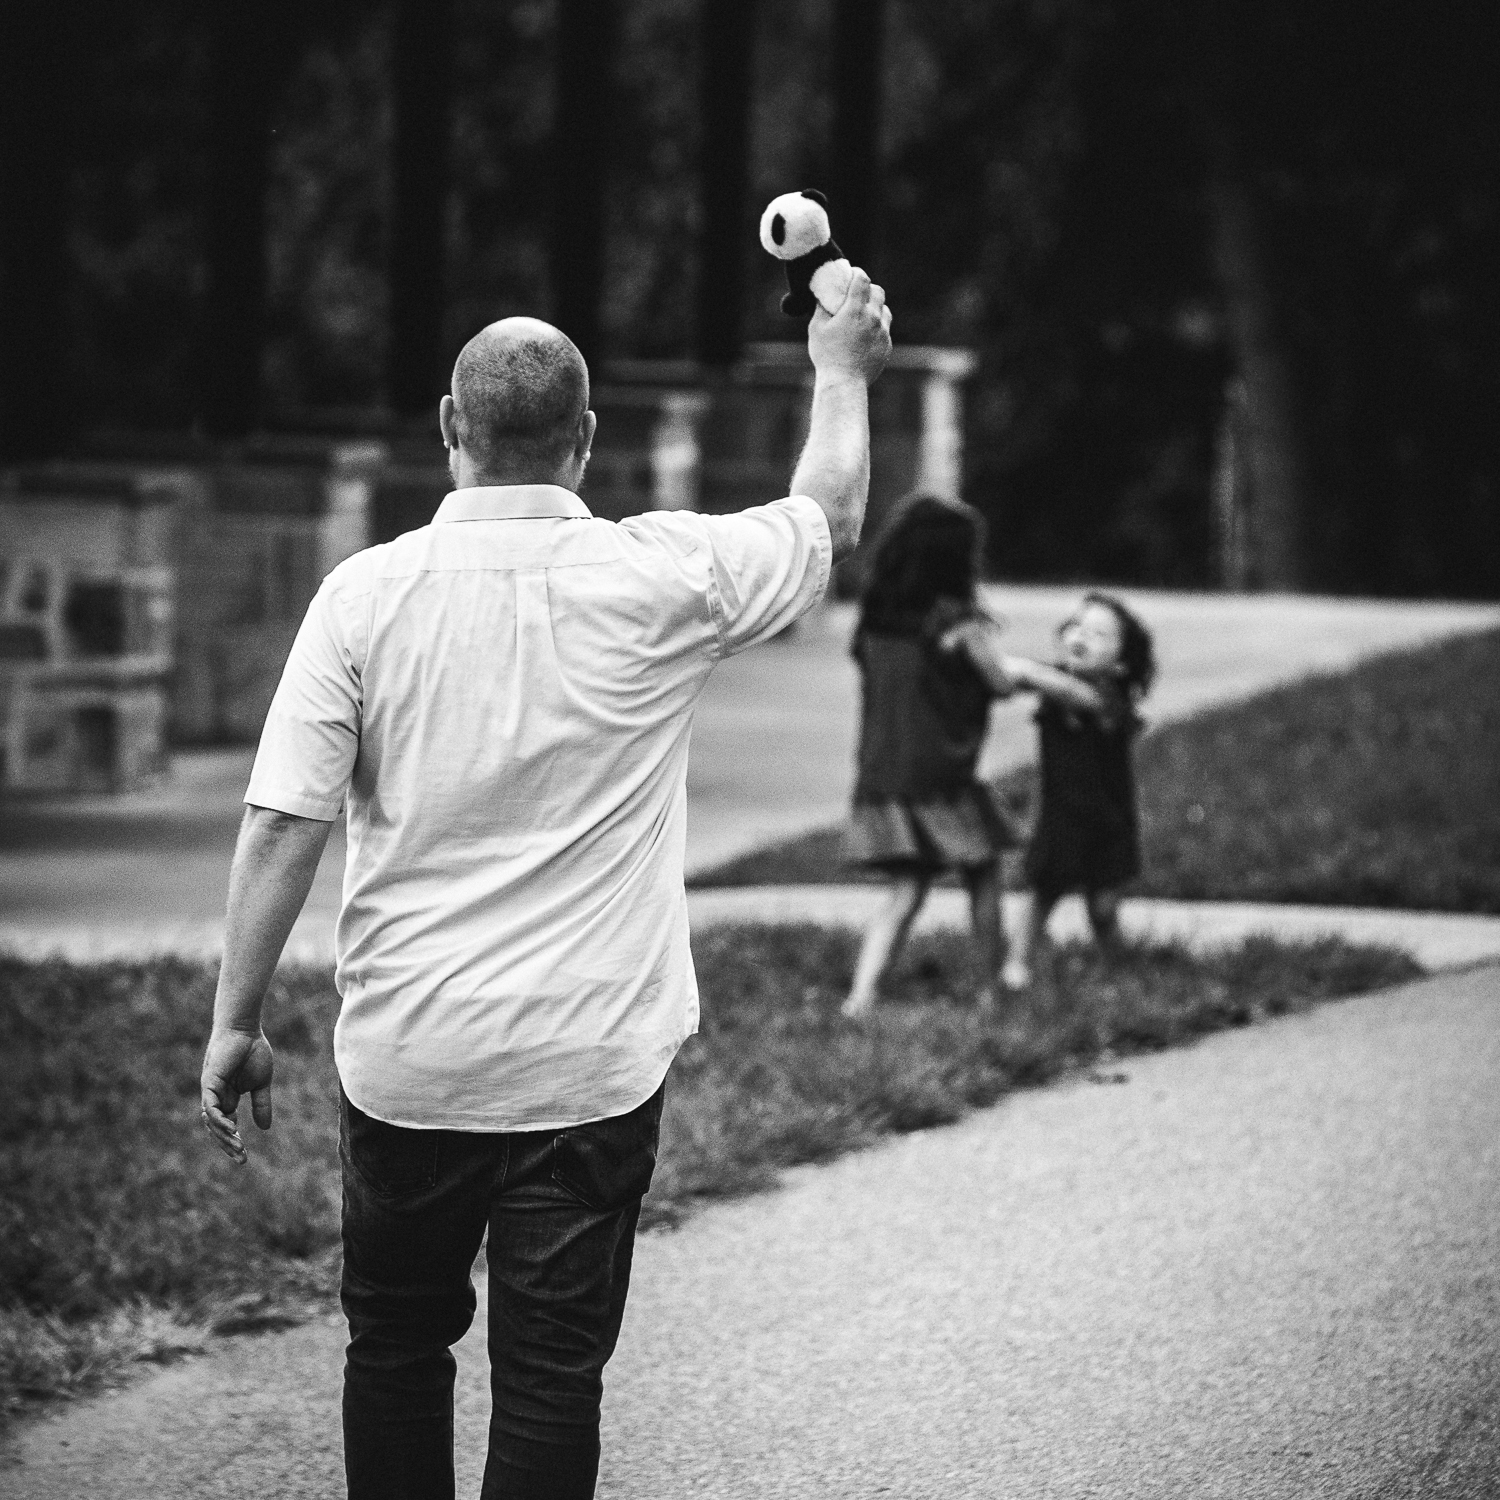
466, 476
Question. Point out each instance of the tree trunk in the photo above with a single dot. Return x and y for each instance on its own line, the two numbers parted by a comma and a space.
36, 180
1273, 444
854, 190
728, 52
1231, 494
250, 44
582, 120
423, 63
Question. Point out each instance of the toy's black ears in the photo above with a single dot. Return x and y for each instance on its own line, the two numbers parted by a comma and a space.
778, 229
816, 197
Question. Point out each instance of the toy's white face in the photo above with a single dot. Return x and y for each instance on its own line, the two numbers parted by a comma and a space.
792, 225
1092, 640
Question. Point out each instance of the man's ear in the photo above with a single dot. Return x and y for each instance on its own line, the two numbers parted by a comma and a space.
587, 426
448, 422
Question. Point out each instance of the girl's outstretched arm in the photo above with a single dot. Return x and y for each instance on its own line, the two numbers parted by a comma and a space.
1061, 687
979, 641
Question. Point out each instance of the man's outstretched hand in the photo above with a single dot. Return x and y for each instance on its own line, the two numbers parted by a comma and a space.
856, 340
236, 1063
849, 349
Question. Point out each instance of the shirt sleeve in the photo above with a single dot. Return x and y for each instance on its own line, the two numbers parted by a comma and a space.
770, 565
311, 735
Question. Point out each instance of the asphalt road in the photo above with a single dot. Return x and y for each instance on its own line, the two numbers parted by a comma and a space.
1264, 1266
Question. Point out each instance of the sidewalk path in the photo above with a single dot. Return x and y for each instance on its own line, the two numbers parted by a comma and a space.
1266, 1267
1437, 940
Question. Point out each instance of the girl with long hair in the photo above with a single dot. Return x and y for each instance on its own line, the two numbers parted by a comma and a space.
929, 671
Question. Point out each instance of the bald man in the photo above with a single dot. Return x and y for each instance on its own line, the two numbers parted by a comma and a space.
502, 700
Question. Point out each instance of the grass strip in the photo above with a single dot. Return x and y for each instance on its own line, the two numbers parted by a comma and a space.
1375, 787
124, 1237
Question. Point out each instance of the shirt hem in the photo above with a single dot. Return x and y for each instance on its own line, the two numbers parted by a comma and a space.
492, 1125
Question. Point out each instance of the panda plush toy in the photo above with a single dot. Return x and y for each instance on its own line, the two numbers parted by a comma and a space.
795, 229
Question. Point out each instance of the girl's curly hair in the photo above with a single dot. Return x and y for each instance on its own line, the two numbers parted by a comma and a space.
929, 551
1137, 649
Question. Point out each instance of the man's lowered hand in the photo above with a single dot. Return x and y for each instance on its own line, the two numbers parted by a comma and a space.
236, 1063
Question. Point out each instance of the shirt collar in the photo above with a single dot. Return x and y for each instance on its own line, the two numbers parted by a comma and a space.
512, 502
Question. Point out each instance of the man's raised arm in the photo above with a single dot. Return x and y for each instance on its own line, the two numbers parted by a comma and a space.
848, 350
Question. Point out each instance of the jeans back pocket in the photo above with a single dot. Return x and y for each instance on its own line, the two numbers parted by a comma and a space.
607, 1164
392, 1160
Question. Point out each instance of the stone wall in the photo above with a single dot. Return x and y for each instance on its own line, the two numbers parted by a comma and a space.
245, 532
86, 627
270, 521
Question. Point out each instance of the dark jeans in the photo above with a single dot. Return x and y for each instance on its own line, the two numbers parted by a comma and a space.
561, 1208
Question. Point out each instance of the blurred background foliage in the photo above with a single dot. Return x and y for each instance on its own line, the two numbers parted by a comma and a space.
1091, 193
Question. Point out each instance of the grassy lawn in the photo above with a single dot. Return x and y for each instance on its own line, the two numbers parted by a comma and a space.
1376, 787
124, 1237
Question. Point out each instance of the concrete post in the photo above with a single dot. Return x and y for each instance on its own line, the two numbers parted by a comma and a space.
676, 451
346, 526
941, 444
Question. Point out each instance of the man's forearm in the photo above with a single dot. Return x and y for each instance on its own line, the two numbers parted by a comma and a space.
274, 864
834, 468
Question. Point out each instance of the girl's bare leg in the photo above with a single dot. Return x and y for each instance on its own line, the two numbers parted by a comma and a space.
1104, 918
1032, 933
883, 940
988, 927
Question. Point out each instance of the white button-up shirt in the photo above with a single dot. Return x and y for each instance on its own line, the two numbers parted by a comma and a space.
505, 698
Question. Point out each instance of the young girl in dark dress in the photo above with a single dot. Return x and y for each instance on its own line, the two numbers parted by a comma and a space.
1087, 837
929, 671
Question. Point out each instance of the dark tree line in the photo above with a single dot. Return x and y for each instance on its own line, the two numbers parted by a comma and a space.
1186, 239
1268, 217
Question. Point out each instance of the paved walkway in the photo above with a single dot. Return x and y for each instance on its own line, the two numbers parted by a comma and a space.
1266, 1267
1437, 940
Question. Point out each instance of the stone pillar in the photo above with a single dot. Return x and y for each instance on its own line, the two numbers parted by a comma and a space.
347, 523
676, 453
941, 443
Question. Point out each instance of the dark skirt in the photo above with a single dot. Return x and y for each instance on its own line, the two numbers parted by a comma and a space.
963, 831
1069, 852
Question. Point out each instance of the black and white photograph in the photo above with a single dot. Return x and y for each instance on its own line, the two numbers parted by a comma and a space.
749, 750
